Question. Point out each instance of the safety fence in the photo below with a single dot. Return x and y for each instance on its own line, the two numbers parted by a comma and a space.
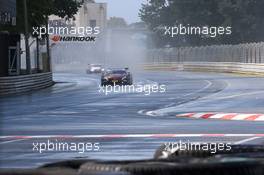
222, 67
241, 53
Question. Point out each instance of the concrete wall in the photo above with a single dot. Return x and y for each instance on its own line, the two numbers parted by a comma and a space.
25, 83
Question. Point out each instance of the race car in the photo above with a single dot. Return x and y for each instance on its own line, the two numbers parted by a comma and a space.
116, 77
94, 68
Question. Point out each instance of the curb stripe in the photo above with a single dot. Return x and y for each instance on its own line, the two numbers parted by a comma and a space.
205, 116
229, 116
253, 117
186, 115
224, 116
242, 116
261, 118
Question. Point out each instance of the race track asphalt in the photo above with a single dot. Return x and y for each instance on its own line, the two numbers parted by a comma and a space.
74, 106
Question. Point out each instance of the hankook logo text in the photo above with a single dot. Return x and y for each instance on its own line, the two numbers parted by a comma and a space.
57, 38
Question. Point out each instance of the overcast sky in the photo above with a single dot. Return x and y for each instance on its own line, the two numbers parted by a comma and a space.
128, 9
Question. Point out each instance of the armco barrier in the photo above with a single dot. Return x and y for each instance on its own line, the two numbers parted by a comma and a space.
225, 67
25, 83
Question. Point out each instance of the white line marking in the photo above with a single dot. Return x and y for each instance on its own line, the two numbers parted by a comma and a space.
129, 136
151, 113
10, 141
238, 95
246, 140
209, 83
141, 111
58, 112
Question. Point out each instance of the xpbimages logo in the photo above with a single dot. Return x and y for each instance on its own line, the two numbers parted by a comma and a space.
63, 33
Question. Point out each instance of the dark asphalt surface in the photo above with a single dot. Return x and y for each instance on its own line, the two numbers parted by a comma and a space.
73, 106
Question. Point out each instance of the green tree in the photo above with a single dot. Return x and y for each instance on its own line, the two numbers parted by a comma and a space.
37, 15
116, 22
244, 16
38, 12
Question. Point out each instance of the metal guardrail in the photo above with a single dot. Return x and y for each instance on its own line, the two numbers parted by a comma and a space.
25, 83
242, 53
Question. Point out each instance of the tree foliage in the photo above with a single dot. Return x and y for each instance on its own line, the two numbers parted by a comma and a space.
38, 12
116, 22
246, 17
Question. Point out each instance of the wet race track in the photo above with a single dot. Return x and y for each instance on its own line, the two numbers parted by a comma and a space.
126, 125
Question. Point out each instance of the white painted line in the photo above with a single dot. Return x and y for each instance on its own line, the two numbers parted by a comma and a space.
58, 112
138, 135
246, 140
239, 95
141, 111
243, 135
113, 136
209, 83
151, 113
11, 141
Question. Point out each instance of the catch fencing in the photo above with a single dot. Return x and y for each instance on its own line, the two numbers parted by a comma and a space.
240, 53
